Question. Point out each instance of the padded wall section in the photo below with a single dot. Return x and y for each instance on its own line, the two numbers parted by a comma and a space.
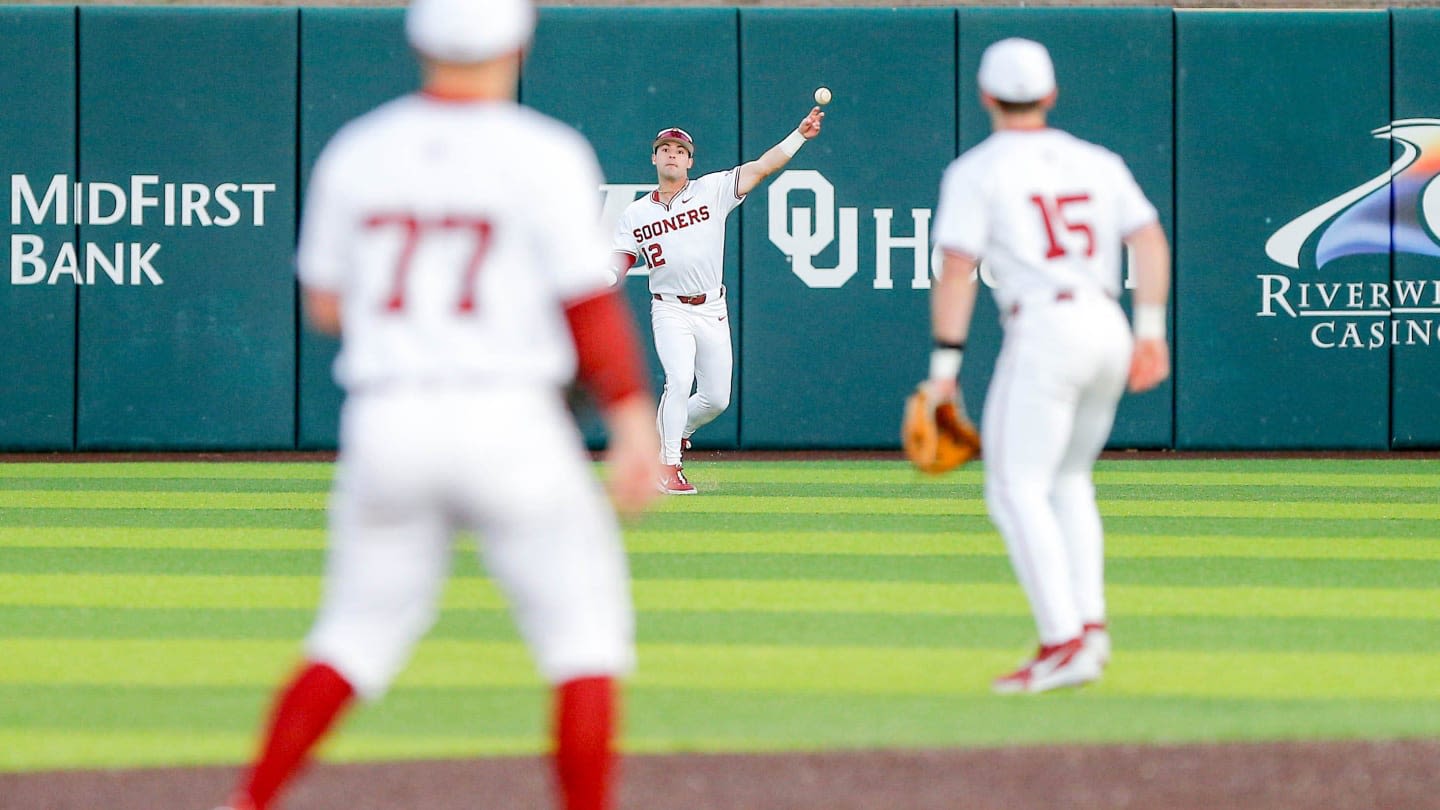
1283, 230
600, 71
836, 246
1416, 291
351, 60
37, 308
187, 324
1114, 68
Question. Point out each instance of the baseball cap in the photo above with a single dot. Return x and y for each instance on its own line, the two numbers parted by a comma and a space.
674, 135
468, 31
1017, 70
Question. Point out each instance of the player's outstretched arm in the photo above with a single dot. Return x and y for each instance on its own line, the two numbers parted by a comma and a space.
952, 306
778, 155
1150, 362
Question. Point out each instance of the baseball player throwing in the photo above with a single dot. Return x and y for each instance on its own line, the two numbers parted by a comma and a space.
1048, 212
469, 280
678, 230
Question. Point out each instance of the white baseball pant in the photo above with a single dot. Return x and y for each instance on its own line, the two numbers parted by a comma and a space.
417, 465
693, 343
1048, 414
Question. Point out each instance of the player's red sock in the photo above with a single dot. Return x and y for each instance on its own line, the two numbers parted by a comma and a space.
304, 711
584, 733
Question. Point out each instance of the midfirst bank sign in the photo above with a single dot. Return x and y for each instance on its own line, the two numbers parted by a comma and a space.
141, 200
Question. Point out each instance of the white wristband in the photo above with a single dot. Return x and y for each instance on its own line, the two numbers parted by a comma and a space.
792, 143
1150, 321
945, 363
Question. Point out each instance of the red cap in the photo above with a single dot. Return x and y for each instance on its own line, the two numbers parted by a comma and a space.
674, 135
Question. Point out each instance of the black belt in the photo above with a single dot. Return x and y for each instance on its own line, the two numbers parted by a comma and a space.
1060, 295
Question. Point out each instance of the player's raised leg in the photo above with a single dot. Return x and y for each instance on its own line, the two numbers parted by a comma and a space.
714, 368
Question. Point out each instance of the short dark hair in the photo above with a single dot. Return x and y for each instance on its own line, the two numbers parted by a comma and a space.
1013, 107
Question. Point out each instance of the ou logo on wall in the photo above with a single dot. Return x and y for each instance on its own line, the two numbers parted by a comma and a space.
802, 233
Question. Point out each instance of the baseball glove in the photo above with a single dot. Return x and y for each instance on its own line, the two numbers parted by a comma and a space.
937, 437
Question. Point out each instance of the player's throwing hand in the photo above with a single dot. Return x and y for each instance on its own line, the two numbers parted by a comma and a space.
810, 126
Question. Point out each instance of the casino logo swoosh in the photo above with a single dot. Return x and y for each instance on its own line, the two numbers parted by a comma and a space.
1359, 221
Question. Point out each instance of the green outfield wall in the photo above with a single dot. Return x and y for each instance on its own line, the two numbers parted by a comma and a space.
157, 159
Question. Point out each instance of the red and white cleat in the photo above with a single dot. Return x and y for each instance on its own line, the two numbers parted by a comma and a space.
673, 482
1053, 667
1097, 641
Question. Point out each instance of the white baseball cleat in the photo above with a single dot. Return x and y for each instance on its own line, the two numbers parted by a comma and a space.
1053, 667
1097, 640
673, 482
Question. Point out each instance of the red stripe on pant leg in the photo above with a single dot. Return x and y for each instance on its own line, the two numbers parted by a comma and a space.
584, 734
304, 711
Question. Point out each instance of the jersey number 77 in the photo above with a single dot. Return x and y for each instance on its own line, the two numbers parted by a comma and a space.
415, 229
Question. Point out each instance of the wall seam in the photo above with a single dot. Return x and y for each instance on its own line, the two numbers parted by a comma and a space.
295, 203
738, 317
1175, 228
75, 356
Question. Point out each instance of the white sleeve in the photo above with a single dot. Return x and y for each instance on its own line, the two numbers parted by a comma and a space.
725, 189
962, 220
326, 226
1134, 209
571, 240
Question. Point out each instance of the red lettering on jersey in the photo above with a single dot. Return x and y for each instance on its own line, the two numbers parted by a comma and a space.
683, 219
414, 229
1052, 211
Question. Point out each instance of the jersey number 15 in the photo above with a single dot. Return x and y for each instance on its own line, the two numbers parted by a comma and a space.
1052, 212
414, 230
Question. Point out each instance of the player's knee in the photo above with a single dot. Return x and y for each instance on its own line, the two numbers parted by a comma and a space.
715, 401
679, 384
1074, 485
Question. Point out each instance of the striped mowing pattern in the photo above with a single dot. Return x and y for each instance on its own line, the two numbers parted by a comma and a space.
148, 610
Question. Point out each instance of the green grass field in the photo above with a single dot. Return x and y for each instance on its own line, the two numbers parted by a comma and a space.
148, 610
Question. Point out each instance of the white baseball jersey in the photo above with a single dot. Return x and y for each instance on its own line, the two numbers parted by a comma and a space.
682, 243
454, 232
1045, 210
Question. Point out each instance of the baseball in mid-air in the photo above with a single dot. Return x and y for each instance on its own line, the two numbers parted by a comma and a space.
823, 95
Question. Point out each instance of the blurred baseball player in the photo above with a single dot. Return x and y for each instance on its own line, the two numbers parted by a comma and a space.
451, 239
679, 232
1048, 213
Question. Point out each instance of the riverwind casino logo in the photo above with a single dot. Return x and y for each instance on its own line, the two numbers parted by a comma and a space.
1399, 211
